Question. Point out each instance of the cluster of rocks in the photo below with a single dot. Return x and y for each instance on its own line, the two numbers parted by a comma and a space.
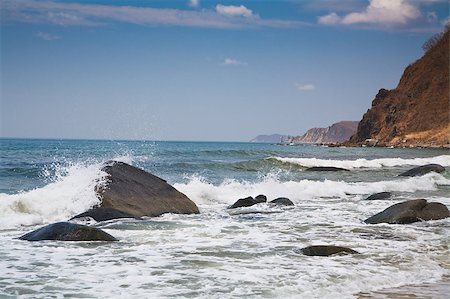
133, 193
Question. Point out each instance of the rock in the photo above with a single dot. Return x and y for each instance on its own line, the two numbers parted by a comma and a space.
248, 201
282, 201
326, 168
326, 250
421, 170
138, 193
410, 211
66, 231
379, 196
103, 214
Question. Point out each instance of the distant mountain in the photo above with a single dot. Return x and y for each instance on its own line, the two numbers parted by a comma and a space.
417, 111
338, 132
274, 138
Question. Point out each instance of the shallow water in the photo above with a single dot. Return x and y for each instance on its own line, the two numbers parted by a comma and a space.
249, 252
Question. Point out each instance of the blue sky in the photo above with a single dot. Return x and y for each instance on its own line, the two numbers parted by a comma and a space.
201, 70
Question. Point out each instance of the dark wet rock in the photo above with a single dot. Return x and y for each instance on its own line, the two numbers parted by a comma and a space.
248, 201
410, 211
326, 168
282, 201
104, 214
424, 169
326, 250
138, 193
380, 196
66, 231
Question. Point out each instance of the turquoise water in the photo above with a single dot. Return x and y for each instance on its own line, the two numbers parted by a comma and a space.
218, 253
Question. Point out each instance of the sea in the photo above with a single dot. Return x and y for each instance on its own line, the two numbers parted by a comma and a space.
248, 252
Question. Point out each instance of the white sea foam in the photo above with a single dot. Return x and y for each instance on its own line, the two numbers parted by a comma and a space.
443, 160
71, 192
203, 192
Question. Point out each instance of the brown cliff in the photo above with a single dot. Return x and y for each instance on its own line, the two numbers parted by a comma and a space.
338, 132
417, 112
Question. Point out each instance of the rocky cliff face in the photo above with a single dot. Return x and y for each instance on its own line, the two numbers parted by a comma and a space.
274, 138
338, 132
417, 112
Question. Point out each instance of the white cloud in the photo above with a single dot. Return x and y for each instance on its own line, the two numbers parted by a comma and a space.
81, 14
233, 11
386, 12
47, 36
194, 3
305, 87
232, 61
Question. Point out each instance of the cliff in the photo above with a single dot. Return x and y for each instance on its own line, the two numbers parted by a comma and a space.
274, 138
417, 111
338, 132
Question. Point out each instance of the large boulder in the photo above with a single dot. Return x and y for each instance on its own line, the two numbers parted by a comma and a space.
380, 196
424, 169
326, 250
248, 201
326, 168
281, 201
138, 193
103, 214
410, 211
66, 231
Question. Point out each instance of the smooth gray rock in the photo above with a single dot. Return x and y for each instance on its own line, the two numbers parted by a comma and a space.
379, 196
410, 211
138, 193
326, 250
424, 169
282, 201
248, 201
326, 168
66, 231
104, 214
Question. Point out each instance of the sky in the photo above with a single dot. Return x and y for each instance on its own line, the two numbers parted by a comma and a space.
201, 70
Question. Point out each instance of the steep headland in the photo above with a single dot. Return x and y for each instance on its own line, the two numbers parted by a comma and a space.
417, 111
338, 132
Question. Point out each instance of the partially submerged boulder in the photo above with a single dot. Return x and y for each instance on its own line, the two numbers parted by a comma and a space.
103, 214
326, 250
138, 193
326, 168
380, 196
66, 231
282, 201
410, 211
248, 201
424, 169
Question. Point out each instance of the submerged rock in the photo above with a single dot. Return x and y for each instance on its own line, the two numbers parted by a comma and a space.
282, 201
410, 211
138, 193
248, 201
326, 250
66, 231
103, 214
379, 196
326, 168
424, 169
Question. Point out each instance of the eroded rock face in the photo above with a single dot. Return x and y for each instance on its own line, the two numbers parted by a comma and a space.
138, 193
379, 196
410, 211
66, 231
326, 250
326, 168
248, 201
103, 214
424, 169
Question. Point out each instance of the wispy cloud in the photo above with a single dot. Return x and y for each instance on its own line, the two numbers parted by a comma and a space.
78, 14
232, 62
47, 36
305, 87
194, 3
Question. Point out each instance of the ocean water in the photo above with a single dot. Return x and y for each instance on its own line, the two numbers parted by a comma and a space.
249, 252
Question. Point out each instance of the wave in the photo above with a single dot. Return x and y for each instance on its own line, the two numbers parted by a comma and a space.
443, 160
203, 192
72, 191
